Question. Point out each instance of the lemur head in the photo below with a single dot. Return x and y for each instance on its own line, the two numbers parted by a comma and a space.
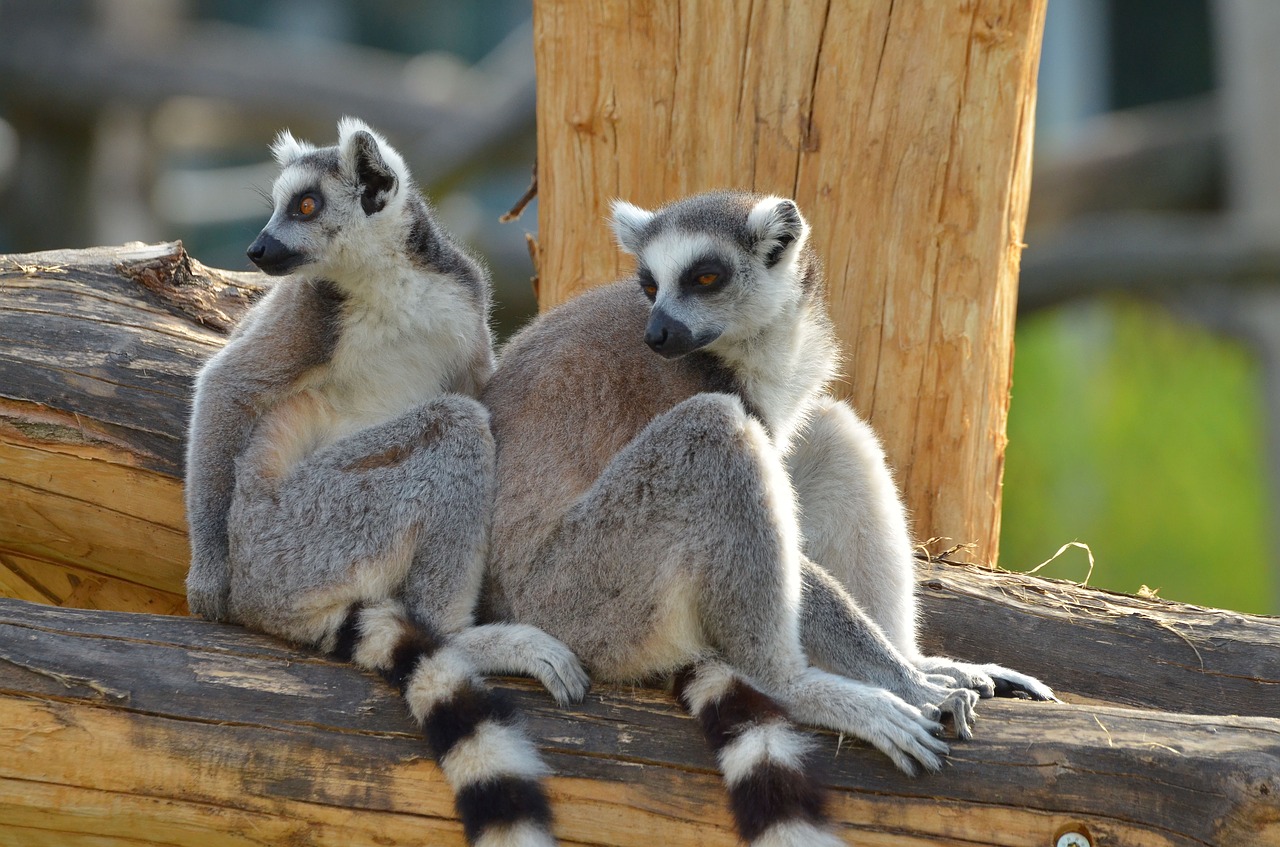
333, 206
719, 268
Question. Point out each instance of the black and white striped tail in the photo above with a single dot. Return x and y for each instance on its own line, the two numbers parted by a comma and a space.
774, 799
494, 769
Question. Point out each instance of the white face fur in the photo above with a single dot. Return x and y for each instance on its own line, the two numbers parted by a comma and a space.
715, 279
333, 207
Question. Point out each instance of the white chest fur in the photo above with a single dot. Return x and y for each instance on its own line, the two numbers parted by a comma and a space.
400, 344
784, 370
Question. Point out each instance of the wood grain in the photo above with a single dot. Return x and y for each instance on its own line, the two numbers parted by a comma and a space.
903, 131
217, 732
1102, 647
97, 352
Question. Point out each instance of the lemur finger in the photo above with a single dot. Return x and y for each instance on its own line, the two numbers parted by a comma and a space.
904, 749
941, 680
929, 757
961, 705
969, 677
913, 728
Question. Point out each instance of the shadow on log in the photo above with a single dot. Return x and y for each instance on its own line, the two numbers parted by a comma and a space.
146, 729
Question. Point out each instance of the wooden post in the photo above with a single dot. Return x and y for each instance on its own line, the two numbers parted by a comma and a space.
904, 133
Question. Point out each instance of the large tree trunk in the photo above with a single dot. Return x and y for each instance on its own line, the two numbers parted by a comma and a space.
133, 730
903, 131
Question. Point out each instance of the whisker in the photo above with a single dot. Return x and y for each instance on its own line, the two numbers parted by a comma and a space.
264, 194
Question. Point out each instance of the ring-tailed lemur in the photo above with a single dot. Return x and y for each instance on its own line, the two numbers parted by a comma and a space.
340, 480
713, 507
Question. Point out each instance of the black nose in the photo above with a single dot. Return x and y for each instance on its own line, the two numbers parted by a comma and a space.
273, 257
667, 336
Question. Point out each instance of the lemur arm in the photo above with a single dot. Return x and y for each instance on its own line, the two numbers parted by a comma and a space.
292, 330
841, 638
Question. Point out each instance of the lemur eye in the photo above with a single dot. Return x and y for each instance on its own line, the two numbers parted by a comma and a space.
650, 290
708, 278
307, 206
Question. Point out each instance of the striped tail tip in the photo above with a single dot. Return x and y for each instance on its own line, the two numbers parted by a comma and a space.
774, 799
492, 766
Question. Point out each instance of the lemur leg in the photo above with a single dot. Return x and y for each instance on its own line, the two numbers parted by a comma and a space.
322, 552
400, 510
288, 333
688, 541
855, 527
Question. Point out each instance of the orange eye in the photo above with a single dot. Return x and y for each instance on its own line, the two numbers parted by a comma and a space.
707, 278
307, 206
650, 290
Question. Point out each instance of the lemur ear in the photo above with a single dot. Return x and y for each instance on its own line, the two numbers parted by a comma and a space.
377, 180
628, 224
374, 164
777, 228
286, 149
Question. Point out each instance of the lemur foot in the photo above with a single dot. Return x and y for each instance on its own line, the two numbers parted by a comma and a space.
527, 650
1011, 683
898, 729
207, 596
905, 734
558, 669
563, 676
988, 680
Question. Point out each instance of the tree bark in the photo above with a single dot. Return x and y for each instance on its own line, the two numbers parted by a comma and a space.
904, 133
141, 729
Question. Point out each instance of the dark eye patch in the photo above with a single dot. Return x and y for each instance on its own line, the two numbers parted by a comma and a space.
648, 285
705, 275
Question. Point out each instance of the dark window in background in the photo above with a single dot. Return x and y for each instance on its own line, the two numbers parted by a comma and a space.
1160, 50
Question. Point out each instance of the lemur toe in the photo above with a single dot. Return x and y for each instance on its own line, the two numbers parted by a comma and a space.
1024, 690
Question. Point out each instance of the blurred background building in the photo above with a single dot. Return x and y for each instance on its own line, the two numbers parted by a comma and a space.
1146, 414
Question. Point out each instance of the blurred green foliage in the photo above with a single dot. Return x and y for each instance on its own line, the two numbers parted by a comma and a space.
1142, 436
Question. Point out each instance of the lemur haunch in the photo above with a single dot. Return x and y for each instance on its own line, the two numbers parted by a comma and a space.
677, 490
339, 480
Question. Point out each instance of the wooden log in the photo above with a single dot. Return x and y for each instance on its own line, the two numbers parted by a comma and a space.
100, 347
141, 729
97, 352
904, 132
215, 733
1099, 646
